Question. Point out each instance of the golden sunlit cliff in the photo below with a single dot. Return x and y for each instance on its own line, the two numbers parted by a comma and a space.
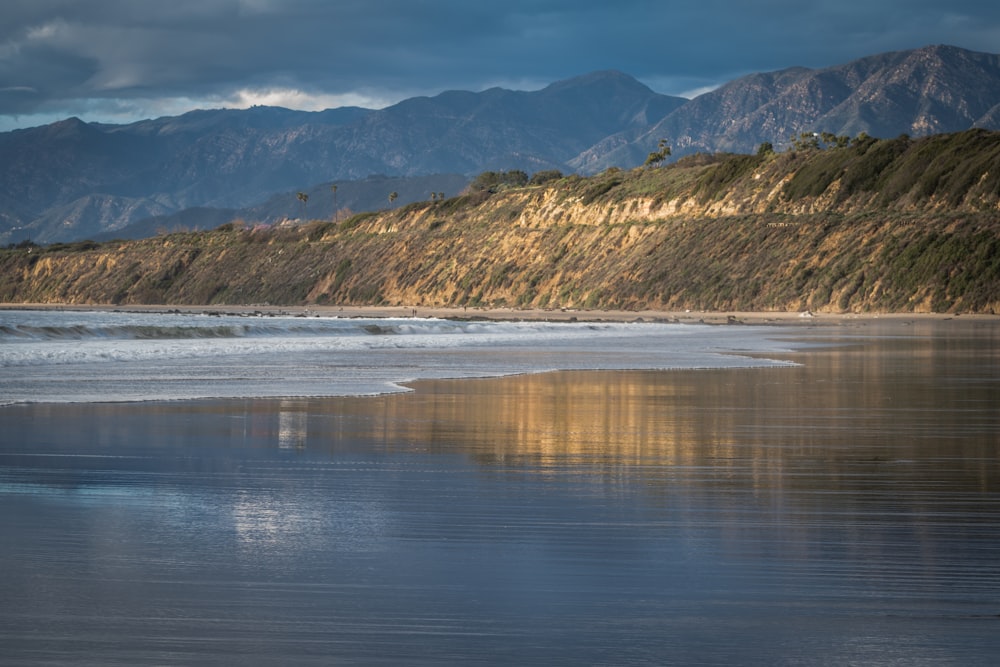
837, 225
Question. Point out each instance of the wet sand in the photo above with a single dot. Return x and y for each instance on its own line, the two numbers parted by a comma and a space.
842, 511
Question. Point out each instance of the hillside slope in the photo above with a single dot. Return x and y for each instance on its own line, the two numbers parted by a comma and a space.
906, 225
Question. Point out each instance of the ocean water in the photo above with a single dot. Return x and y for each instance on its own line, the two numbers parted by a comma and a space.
54, 356
807, 495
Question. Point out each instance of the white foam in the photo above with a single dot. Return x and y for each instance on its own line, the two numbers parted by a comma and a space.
122, 357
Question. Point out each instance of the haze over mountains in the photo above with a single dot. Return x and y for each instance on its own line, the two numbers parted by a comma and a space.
72, 180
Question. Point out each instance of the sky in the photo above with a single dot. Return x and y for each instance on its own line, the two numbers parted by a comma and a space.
124, 60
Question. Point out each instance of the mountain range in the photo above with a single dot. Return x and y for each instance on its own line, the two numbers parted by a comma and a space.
72, 180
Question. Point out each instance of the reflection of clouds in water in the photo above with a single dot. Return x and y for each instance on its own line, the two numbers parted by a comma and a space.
262, 521
267, 521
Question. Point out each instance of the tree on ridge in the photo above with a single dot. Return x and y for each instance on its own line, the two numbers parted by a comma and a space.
656, 157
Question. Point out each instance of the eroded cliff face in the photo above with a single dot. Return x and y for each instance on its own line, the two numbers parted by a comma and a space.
825, 231
645, 254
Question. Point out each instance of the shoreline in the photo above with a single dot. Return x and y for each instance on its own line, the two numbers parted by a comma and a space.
815, 328
510, 314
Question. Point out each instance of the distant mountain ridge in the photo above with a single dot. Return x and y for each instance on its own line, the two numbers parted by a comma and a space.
933, 90
72, 180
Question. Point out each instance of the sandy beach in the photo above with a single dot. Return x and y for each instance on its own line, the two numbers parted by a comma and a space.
845, 507
515, 314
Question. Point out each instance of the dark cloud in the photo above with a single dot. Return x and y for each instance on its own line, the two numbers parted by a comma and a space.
140, 58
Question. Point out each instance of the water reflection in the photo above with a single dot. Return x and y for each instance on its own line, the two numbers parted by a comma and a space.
292, 424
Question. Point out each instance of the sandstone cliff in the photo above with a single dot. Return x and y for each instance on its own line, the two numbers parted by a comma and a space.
892, 225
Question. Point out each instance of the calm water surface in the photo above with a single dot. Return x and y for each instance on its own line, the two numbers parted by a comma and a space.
844, 511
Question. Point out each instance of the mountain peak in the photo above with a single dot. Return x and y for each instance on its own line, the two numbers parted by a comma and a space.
935, 89
609, 78
69, 128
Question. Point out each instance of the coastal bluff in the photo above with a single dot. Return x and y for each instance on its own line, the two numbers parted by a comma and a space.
848, 226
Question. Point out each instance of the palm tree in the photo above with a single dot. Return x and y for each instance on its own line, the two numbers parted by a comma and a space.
392, 197
441, 196
434, 196
336, 213
303, 197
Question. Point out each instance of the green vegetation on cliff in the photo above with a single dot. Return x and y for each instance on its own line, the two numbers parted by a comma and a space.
865, 225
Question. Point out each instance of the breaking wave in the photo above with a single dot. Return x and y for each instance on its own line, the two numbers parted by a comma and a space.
59, 356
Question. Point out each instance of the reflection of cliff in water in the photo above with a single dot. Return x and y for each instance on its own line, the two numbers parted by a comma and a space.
852, 415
